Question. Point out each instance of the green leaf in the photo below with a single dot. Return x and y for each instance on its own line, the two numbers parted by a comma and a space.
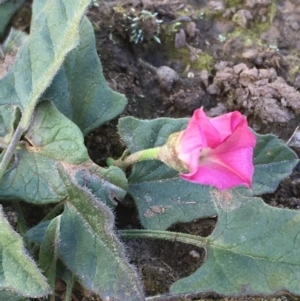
13, 41
54, 34
8, 117
80, 91
254, 249
273, 162
9, 296
7, 10
48, 254
88, 246
19, 275
163, 199
38, 232
52, 139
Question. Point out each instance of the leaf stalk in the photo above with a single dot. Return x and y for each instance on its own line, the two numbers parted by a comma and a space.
194, 240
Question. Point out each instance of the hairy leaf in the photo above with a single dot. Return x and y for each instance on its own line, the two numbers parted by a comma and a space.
54, 34
254, 249
273, 162
7, 10
19, 275
89, 248
80, 91
52, 138
48, 254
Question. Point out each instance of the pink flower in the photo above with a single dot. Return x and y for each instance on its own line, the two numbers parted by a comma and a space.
218, 151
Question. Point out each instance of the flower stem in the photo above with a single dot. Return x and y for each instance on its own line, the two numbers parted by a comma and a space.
194, 240
143, 155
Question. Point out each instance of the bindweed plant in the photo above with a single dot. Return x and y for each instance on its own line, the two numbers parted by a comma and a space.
181, 170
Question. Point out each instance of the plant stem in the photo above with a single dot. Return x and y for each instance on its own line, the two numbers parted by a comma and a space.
143, 155
22, 227
194, 240
69, 290
54, 211
10, 150
180, 297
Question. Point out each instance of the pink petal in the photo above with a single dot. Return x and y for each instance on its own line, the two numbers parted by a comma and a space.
230, 163
224, 176
226, 124
199, 133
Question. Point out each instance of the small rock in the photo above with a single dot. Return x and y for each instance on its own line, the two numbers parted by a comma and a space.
248, 76
204, 76
213, 89
216, 5
241, 17
239, 68
188, 101
194, 254
253, 3
250, 54
221, 65
229, 12
167, 77
191, 29
294, 25
180, 39
220, 109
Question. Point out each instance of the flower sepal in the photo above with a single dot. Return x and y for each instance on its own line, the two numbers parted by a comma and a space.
168, 153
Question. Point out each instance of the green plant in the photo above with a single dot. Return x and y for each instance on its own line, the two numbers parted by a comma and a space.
144, 25
7, 10
53, 96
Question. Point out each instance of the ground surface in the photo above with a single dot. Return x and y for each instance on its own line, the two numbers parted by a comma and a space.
223, 55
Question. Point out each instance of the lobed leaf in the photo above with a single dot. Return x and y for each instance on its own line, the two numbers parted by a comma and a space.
254, 249
53, 36
19, 275
79, 90
52, 139
89, 248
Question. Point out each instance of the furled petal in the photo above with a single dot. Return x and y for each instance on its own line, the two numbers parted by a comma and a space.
199, 133
226, 166
227, 123
224, 176
225, 163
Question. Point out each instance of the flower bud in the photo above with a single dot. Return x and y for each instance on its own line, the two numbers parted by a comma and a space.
213, 151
